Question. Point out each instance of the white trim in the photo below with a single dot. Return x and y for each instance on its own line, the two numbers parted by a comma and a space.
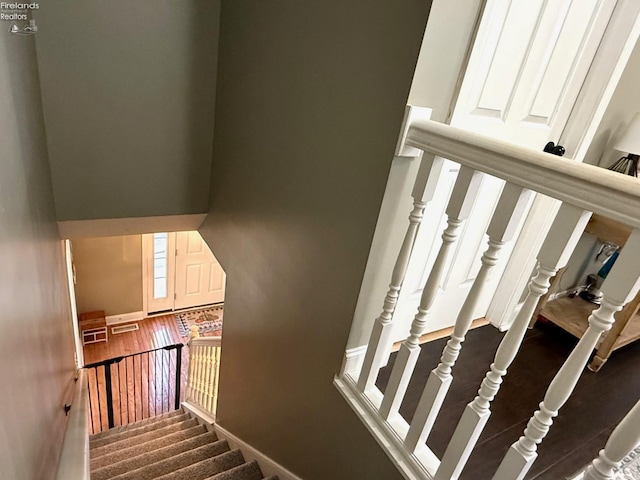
145, 274
71, 281
128, 327
587, 187
124, 318
205, 417
411, 114
267, 465
74, 457
419, 465
109, 227
353, 359
159, 306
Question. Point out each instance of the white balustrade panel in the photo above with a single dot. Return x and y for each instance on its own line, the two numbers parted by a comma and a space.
582, 189
204, 369
504, 223
380, 340
463, 196
621, 285
623, 440
554, 254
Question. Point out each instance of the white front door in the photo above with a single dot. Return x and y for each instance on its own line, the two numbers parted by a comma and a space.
200, 279
181, 272
527, 66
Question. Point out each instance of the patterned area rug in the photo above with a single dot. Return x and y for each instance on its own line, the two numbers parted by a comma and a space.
207, 319
629, 468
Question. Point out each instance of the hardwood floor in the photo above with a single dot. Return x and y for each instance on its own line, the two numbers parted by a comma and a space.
144, 382
579, 432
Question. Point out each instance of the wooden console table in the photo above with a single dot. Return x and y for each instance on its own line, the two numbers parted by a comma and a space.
572, 313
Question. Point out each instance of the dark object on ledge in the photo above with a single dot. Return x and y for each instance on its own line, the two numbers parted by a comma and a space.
627, 165
554, 149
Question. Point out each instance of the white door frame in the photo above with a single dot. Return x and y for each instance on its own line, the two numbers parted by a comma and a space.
71, 282
609, 63
147, 273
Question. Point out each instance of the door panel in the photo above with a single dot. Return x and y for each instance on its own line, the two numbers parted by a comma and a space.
199, 278
181, 272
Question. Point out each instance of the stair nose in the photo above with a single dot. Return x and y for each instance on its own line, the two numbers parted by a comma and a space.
246, 471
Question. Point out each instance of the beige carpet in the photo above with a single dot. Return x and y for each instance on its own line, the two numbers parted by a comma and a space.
172, 446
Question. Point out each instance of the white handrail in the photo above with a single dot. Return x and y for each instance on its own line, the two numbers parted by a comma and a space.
210, 341
74, 458
591, 188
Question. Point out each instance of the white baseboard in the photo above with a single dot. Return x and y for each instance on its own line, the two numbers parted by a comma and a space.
124, 318
267, 465
204, 416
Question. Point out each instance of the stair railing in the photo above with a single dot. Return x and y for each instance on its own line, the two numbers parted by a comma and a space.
74, 457
204, 371
581, 189
624, 439
133, 387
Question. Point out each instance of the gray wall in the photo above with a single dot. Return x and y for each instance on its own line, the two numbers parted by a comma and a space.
308, 109
36, 339
128, 91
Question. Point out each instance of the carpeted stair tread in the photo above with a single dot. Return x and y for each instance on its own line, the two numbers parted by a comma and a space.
115, 437
139, 449
153, 456
272, 477
170, 465
246, 471
207, 468
139, 439
139, 423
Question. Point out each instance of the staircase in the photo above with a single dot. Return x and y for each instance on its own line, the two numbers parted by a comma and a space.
172, 446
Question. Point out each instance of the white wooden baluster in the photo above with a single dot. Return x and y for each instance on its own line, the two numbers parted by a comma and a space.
380, 340
193, 334
193, 363
462, 199
201, 372
506, 217
207, 375
555, 252
189, 391
212, 378
623, 440
620, 286
216, 371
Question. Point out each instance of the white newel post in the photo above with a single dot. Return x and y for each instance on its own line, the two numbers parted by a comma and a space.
506, 217
620, 286
555, 252
380, 339
463, 197
624, 439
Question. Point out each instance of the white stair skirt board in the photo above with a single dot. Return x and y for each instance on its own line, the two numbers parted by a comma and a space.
267, 465
124, 318
130, 327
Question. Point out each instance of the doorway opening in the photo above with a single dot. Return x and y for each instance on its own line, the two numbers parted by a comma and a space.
179, 272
